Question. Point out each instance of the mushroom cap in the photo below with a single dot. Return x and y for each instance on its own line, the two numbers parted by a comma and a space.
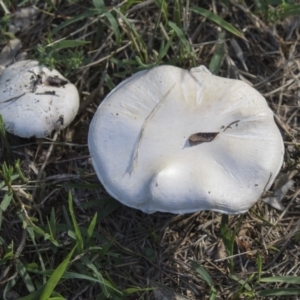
179, 141
34, 101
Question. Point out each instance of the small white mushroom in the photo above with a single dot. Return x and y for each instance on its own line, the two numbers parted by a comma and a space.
34, 101
180, 141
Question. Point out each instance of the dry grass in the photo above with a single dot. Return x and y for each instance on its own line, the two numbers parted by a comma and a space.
155, 250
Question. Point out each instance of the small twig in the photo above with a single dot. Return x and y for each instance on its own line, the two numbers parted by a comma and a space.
14, 98
228, 126
81, 292
284, 212
47, 155
287, 240
107, 56
45, 162
236, 255
91, 97
283, 126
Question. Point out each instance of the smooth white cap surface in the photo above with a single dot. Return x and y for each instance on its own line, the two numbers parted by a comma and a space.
34, 101
140, 147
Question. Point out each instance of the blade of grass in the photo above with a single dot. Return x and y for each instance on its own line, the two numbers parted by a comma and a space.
19, 171
56, 276
177, 13
285, 279
84, 15
204, 274
6, 200
157, 22
262, 219
279, 292
163, 7
25, 276
259, 267
216, 61
144, 66
181, 36
67, 44
35, 295
75, 224
218, 20
31, 233
91, 227
111, 207
136, 38
10, 284
241, 281
52, 223
164, 50
99, 4
98, 275
114, 26
133, 290
67, 220
83, 230
287, 10
228, 236
78, 276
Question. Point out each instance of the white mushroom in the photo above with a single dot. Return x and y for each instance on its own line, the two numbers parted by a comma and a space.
34, 101
180, 141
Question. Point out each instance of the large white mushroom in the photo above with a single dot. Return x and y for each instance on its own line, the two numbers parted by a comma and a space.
34, 101
180, 141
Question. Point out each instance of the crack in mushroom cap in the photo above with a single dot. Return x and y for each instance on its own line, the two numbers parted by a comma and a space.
140, 148
34, 101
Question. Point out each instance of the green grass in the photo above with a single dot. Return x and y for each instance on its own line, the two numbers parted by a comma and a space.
62, 236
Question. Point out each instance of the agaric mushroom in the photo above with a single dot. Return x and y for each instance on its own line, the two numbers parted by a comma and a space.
34, 101
180, 141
